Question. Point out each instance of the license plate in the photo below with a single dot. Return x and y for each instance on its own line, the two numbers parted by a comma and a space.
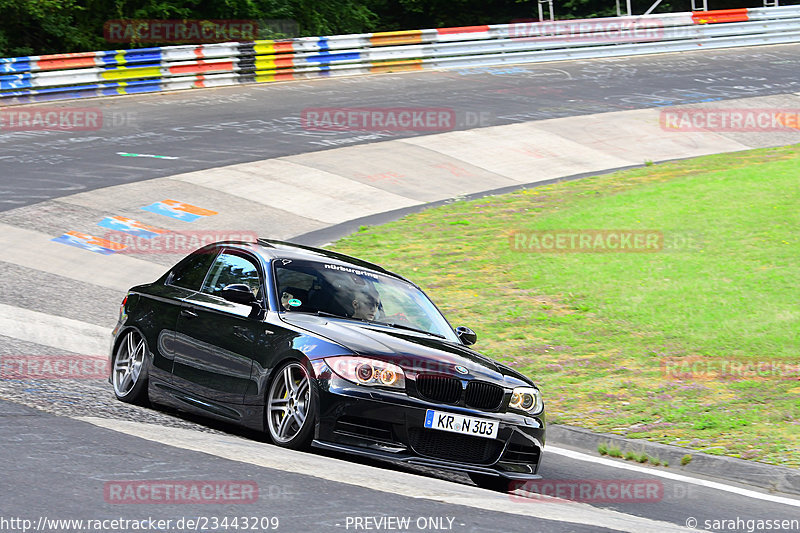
466, 425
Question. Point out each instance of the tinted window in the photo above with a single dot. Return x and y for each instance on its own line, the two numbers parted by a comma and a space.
356, 293
229, 269
191, 273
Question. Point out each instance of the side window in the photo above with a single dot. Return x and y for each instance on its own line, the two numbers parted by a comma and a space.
297, 286
228, 269
191, 273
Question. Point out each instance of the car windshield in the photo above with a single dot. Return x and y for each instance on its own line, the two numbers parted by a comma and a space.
357, 294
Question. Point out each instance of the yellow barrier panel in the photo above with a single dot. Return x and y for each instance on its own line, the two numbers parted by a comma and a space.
269, 47
389, 38
396, 66
127, 73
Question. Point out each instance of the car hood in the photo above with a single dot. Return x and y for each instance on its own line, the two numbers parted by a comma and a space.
411, 351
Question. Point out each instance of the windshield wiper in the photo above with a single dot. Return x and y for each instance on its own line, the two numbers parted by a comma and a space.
321, 313
332, 315
391, 324
409, 328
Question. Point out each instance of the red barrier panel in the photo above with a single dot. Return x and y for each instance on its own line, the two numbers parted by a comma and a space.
720, 15
73, 55
462, 29
66, 61
283, 47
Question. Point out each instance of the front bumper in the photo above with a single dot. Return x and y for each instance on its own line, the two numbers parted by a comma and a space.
390, 426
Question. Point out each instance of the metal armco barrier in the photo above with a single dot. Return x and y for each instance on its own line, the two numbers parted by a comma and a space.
89, 74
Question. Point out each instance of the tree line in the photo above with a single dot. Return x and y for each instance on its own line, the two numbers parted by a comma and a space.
33, 27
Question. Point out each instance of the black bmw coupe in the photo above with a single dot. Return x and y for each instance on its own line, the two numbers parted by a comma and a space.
322, 349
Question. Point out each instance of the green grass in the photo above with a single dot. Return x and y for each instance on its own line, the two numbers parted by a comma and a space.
605, 448
597, 330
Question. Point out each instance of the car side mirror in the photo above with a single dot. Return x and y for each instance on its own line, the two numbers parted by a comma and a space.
238, 293
466, 335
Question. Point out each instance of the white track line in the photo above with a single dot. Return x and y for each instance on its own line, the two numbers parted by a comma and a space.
669, 475
389, 481
54, 331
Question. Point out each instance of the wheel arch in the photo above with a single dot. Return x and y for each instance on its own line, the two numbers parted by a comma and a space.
291, 356
121, 335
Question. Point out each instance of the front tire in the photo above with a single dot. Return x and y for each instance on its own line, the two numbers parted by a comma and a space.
291, 408
130, 368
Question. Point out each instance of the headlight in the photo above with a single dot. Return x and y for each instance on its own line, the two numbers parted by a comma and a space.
369, 372
527, 399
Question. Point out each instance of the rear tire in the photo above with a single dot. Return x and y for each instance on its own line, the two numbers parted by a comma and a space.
129, 369
493, 483
291, 407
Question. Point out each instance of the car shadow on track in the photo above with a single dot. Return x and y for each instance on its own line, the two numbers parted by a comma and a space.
231, 429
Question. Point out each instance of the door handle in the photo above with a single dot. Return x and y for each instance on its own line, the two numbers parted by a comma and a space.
188, 313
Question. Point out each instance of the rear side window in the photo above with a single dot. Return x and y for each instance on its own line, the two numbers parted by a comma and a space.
191, 273
229, 269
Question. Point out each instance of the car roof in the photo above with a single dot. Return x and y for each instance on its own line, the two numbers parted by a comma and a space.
270, 249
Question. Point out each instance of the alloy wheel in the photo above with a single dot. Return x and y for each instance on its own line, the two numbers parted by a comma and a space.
289, 403
128, 363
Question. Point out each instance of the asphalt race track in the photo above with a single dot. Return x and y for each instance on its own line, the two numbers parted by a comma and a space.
219, 127
63, 441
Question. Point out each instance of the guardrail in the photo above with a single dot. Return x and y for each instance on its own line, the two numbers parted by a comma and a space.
89, 74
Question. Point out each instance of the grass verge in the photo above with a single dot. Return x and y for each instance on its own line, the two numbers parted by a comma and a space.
696, 345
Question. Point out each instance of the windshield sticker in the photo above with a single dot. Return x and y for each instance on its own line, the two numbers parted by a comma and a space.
352, 271
294, 302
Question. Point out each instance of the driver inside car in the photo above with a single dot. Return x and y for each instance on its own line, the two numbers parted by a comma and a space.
366, 306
